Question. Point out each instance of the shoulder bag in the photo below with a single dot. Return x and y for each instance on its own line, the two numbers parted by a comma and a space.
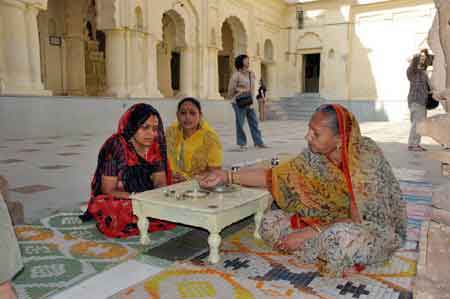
431, 103
245, 99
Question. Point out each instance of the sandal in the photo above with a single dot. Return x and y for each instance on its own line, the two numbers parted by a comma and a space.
416, 148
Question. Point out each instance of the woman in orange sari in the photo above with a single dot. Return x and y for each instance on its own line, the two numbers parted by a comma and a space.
340, 203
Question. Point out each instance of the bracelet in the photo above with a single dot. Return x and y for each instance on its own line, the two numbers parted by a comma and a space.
235, 178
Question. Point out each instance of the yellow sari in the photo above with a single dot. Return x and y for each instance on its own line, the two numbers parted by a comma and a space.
195, 154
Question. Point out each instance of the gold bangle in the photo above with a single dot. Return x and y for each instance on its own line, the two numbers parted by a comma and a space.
236, 178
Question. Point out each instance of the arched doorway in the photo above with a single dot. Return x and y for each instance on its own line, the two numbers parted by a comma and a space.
309, 50
234, 43
72, 49
267, 66
169, 54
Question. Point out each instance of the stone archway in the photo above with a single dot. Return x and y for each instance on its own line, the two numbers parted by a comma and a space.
170, 54
72, 49
234, 43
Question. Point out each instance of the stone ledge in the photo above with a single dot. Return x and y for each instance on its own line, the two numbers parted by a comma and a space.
443, 156
433, 281
436, 127
4, 188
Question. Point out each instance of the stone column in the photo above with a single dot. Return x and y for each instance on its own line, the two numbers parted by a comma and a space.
164, 80
116, 76
2, 59
152, 68
271, 79
187, 74
20, 47
74, 46
213, 74
75, 65
255, 66
34, 55
137, 64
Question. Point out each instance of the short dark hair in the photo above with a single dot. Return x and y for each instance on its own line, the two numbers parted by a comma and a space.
192, 100
331, 115
239, 61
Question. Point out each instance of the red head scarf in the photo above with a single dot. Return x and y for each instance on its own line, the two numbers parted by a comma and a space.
347, 124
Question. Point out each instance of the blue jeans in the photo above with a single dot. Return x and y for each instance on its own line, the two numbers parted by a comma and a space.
240, 114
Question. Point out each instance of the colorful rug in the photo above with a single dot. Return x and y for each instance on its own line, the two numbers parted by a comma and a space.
250, 269
188, 281
61, 251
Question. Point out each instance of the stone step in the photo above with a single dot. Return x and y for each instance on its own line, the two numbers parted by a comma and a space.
300, 107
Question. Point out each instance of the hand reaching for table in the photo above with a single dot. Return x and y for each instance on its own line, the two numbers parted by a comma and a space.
178, 178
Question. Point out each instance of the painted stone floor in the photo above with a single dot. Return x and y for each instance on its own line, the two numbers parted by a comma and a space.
50, 174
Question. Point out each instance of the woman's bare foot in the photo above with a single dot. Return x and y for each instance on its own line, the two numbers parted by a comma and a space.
7, 291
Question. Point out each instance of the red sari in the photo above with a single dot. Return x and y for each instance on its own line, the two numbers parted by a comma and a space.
118, 158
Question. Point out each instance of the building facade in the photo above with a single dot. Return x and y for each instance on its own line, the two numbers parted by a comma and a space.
343, 50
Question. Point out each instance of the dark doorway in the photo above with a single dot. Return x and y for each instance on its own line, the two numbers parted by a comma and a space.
175, 62
311, 71
224, 73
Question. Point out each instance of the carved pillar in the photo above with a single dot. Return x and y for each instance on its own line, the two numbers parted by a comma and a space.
2, 59
187, 74
15, 46
116, 75
255, 66
152, 67
164, 55
213, 74
137, 63
271, 79
34, 55
20, 41
74, 46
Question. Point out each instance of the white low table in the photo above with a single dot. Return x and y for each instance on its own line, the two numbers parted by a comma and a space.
212, 213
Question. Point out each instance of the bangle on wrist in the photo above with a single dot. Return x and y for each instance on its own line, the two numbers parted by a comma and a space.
235, 178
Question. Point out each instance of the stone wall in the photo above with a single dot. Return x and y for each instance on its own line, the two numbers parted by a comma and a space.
24, 117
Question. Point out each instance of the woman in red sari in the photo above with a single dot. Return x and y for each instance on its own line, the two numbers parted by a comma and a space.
132, 160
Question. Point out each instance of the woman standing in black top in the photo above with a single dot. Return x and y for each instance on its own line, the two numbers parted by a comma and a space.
261, 97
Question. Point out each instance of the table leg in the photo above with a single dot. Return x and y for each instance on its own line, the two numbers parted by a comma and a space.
258, 219
214, 240
143, 226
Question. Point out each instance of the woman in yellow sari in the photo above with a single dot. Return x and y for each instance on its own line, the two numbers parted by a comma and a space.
193, 147
340, 203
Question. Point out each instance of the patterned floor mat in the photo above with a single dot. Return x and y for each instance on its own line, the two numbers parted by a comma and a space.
245, 257
190, 281
61, 251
